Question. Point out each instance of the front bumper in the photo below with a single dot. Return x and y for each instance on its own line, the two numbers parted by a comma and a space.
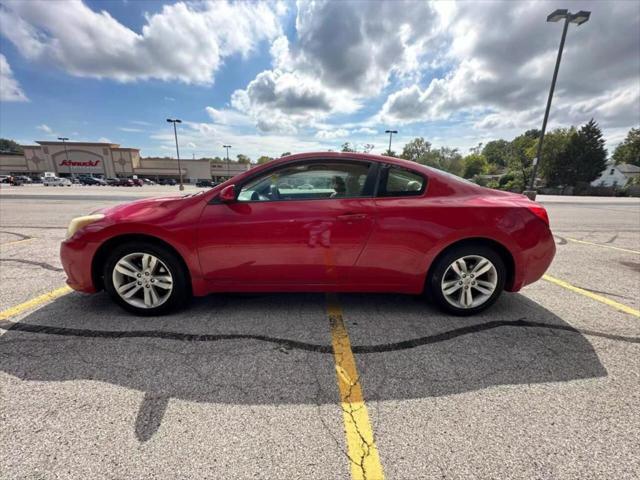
76, 257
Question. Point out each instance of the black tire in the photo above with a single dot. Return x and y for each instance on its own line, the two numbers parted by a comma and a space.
180, 293
433, 290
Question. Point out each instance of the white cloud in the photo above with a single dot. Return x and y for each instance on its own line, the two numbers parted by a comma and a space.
357, 46
10, 90
331, 134
280, 101
366, 130
185, 41
501, 76
211, 137
104, 140
130, 130
44, 128
228, 116
342, 53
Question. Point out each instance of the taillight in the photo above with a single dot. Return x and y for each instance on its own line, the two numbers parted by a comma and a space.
540, 212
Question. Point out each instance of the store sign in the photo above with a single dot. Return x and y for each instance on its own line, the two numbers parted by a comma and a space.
71, 163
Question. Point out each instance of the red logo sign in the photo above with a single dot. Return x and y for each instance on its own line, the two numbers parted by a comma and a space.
89, 163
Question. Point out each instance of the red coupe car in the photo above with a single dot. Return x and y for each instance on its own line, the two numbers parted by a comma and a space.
315, 222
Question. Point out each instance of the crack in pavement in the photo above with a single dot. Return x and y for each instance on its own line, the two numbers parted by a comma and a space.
298, 345
44, 265
21, 236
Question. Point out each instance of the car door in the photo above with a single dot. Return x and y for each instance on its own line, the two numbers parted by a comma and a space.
301, 224
395, 252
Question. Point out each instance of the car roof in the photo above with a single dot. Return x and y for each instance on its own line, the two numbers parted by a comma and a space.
345, 156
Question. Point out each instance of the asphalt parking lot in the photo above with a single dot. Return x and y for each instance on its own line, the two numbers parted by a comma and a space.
546, 384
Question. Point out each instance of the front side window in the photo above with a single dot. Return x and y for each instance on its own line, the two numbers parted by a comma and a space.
308, 181
400, 182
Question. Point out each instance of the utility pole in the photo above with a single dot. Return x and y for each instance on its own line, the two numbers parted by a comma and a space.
228, 167
577, 18
175, 133
391, 133
66, 154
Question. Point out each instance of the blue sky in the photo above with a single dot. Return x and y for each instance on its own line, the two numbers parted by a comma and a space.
281, 76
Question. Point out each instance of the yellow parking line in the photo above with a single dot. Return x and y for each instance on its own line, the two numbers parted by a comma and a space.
16, 241
593, 296
602, 245
361, 447
34, 302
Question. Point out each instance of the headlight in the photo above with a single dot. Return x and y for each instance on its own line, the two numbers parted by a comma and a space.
79, 222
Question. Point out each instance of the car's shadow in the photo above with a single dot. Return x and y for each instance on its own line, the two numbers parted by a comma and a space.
276, 349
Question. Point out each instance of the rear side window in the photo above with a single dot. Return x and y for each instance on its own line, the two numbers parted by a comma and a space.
400, 182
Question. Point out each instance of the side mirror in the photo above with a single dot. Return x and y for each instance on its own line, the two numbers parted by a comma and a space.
228, 194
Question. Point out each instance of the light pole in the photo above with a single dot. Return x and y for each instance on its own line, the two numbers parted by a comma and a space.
577, 18
175, 134
391, 133
66, 154
228, 172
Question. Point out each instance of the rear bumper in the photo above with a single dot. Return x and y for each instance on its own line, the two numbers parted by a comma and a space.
76, 258
534, 262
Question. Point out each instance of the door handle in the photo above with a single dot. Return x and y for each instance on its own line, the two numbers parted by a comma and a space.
350, 217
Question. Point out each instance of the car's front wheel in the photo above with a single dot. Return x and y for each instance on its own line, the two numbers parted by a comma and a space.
145, 279
466, 279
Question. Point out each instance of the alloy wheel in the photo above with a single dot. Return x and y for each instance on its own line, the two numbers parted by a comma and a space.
142, 280
469, 281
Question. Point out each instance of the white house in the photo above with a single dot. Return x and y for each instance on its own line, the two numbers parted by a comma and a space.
616, 175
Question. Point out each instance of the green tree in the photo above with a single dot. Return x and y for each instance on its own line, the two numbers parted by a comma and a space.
586, 155
474, 164
477, 148
447, 159
496, 152
263, 159
554, 152
417, 150
629, 150
367, 147
347, 147
243, 159
10, 146
520, 158
285, 154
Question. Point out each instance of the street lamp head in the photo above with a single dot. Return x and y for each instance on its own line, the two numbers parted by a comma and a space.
226, 146
558, 15
64, 139
581, 17
172, 120
390, 131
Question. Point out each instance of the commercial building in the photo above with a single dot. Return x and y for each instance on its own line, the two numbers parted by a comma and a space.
101, 159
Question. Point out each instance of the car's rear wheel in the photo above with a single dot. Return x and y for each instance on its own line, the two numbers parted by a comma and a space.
467, 279
145, 279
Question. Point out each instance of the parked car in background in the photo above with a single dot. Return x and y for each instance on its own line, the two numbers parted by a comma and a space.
167, 181
56, 182
125, 182
148, 181
206, 183
23, 179
372, 224
12, 180
137, 182
112, 182
92, 181
5, 178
